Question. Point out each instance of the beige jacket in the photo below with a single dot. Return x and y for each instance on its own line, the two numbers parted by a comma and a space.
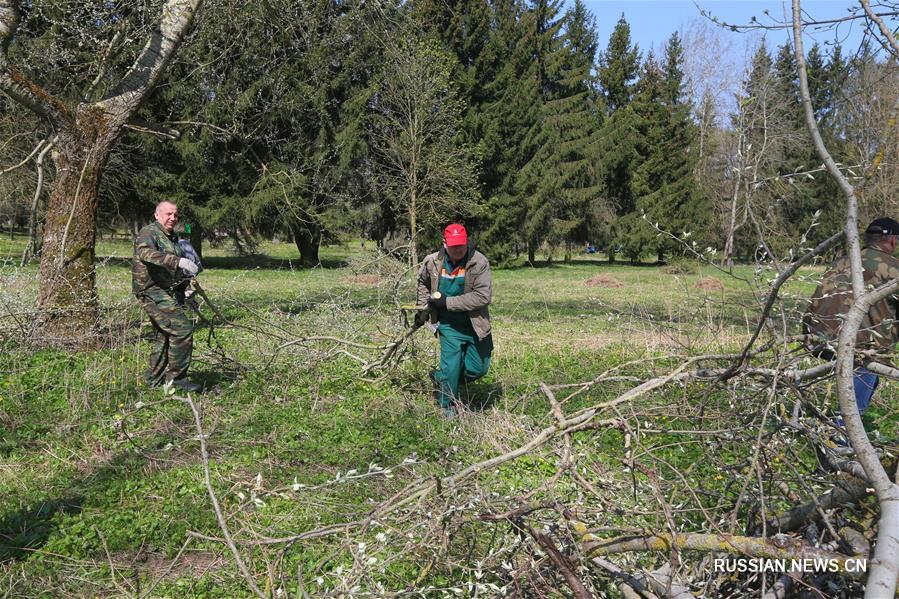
477, 294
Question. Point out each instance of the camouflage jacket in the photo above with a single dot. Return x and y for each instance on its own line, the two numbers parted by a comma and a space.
477, 295
830, 302
154, 265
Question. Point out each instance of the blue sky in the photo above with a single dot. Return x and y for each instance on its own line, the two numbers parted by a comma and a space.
653, 21
716, 56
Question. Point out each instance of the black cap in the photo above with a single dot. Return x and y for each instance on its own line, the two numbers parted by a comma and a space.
884, 225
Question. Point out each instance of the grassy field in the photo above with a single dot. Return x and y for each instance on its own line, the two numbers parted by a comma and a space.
101, 479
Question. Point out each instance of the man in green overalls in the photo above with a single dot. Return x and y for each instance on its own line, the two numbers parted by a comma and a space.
461, 276
159, 275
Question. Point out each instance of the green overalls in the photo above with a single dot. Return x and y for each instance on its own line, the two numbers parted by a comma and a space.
462, 354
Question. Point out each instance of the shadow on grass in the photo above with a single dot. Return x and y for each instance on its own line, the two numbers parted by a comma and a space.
213, 379
478, 396
581, 261
248, 262
25, 530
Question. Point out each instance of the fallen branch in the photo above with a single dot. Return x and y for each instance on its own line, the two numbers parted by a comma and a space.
562, 563
662, 582
783, 586
391, 350
772, 296
847, 489
632, 586
241, 566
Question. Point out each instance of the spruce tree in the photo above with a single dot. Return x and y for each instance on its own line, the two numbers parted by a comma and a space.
663, 184
536, 183
617, 72
510, 113
618, 67
633, 234
580, 118
807, 199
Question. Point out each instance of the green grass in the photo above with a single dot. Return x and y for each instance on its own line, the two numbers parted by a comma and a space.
100, 478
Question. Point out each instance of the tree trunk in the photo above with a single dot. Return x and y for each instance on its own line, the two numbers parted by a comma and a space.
308, 238
33, 247
532, 252
196, 239
413, 225
67, 301
728, 258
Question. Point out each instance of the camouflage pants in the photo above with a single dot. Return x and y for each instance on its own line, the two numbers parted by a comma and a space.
174, 337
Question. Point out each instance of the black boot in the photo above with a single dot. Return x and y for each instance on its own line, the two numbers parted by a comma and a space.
185, 385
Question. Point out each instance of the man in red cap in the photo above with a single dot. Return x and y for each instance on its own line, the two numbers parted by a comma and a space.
455, 283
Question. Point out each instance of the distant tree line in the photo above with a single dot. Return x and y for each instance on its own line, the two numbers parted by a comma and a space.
312, 120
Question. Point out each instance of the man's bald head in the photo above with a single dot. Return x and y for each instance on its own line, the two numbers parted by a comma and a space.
167, 215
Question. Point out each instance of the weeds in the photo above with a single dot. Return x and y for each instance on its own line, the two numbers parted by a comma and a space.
102, 480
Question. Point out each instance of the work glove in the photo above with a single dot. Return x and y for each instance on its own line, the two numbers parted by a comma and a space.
421, 317
439, 303
187, 266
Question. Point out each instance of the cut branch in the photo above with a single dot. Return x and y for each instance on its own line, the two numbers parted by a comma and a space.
204, 454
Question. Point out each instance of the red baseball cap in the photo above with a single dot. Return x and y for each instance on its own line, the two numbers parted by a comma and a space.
455, 234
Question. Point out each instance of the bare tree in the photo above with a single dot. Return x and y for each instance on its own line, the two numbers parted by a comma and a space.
424, 171
760, 130
868, 107
86, 131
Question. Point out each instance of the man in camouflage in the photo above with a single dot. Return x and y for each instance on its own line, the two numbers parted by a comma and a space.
879, 330
159, 276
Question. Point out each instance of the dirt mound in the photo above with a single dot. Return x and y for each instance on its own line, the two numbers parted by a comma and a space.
681, 267
603, 281
365, 279
709, 284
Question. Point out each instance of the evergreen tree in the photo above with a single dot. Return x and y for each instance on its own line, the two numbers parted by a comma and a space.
510, 114
559, 182
634, 235
617, 72
579, 119
281, 140
806, 198
536, 183
618, 67
663, 182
